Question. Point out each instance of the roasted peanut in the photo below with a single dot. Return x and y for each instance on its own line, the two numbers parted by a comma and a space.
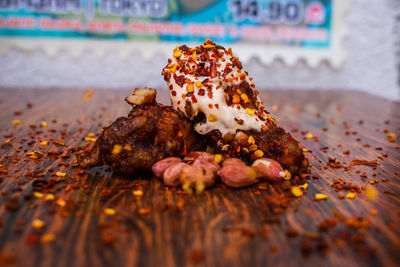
198, 175
234, 161
199, 155
268, 169
237, 175
160, 167
172, 175
206, 164
142, 96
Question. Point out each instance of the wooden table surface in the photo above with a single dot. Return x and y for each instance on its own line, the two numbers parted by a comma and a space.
49, 220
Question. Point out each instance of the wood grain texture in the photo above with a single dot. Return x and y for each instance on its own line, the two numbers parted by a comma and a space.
254, 226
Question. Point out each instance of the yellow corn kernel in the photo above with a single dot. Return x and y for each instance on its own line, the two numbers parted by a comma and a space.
38, 224
250, 111
198, 84
49, 197
320, 196
177, 52
44, 143
225, 147
350, 195
116, 149
43, 124
16, 122
137, 193
190, 88
244, 98
391, 137
217, 158
212, 118
253, 147
286, 175
90, 139
38, 194
309, 136
47, 238
258, 153
251, 140
194, 55
296, 191
109, 211
128, 147
60, 174
371, 193
304, 186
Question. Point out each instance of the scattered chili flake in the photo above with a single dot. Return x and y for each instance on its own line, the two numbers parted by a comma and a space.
355, 162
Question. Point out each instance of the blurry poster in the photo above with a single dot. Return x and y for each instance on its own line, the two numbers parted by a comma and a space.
268, 29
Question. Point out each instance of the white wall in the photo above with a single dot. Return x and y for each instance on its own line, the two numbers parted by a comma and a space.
371, 64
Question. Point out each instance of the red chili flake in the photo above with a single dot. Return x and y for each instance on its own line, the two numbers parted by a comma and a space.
217, 106
201, 92
174, 93
32, 239
180, 80
194, 99
355, 162
213, 69
210, 95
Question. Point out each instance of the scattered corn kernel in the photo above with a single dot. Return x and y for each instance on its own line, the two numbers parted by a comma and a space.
200, 187
60, 174
350, 195
90, 135
296, 191
225, 147
250, 111
286, 175
320, 196
49, 197
251, 140
244, 98
90, 139
47, 238
44, 143
217, 158
43, 124
198, 84
391, 137
38, 224
305, 149
173, 68
128, 147
309, 136
137, 193
144, 211
61, 202
194, 55
190, 88
212, 118
253, 147
7, 141
304, 186
258, 153
177, 52
38, 194
16, 122
109, 211
116, 149
371, 193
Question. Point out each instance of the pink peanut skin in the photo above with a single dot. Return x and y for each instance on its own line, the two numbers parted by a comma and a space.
160, 167
199, 155
237, 175
172, 175
206, 164
234, 161
268, 169
198, 174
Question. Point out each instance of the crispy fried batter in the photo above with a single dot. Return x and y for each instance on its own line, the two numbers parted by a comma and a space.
133, 144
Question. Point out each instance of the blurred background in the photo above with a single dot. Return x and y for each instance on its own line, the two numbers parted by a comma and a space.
291, 44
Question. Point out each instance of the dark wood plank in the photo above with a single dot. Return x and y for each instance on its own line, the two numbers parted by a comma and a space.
253, 226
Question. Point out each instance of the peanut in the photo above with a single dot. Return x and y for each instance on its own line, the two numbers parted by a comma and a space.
199, 155
205, 164
268, 169
237, 175
172, 175
198, 175
160, 167
234, 161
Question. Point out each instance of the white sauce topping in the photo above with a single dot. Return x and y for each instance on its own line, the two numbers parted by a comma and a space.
219, 115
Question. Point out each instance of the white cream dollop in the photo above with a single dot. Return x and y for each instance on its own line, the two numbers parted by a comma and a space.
193, 91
